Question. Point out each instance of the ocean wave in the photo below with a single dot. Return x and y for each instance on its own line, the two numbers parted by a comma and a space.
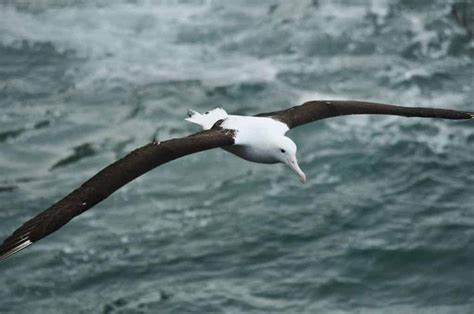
110, 41
384, 223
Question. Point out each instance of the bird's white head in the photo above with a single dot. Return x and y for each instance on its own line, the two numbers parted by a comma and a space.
285, 152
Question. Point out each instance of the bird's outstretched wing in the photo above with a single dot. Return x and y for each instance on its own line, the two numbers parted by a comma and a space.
107, 181
321, 109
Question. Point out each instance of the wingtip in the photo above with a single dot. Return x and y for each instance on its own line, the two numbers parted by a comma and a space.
20, 246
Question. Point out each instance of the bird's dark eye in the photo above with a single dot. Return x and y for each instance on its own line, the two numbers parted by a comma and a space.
282, 150
207, 112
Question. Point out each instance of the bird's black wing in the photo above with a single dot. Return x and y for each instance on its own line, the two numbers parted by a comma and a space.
321, 109
107, 181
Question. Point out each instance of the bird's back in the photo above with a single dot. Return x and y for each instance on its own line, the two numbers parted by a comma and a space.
254, 135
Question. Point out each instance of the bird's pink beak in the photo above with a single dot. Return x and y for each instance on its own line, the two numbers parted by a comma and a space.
293, 163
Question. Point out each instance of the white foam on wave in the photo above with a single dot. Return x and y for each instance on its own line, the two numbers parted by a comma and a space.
119, 29
135, 44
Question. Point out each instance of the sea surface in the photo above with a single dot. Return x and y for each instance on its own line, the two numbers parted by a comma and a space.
385, 223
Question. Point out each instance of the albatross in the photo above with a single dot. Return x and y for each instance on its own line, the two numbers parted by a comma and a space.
260, 138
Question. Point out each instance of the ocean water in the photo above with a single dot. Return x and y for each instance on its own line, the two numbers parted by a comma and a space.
385, 223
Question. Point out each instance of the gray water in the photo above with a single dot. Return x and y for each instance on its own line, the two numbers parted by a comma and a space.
385, 223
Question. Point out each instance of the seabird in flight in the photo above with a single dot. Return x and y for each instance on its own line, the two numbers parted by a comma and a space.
260, 138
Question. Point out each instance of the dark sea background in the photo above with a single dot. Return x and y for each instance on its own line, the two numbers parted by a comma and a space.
385, 223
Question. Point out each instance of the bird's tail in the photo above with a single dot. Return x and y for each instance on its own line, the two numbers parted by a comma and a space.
206, 120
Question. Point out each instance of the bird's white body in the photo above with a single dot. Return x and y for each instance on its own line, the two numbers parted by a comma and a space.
255, 138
